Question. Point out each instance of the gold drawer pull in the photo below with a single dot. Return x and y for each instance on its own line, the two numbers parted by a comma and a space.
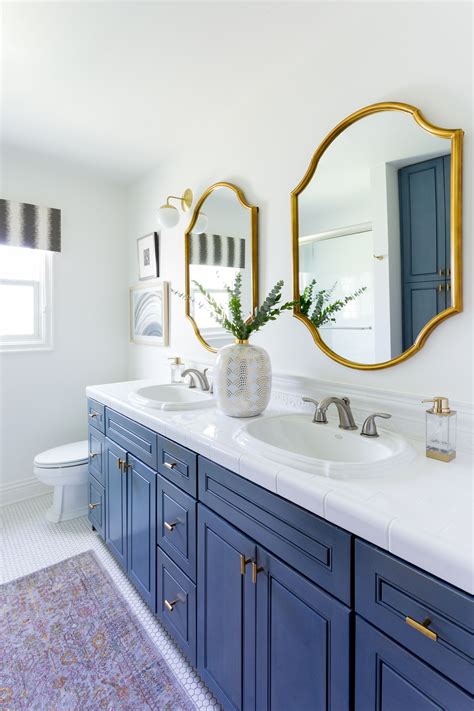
94, 506
243, 562
170, 465
169, 526
255, 571
170, 605
422, 627
120, 463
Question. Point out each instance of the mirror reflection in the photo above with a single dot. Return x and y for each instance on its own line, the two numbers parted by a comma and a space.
214, 258
374, 237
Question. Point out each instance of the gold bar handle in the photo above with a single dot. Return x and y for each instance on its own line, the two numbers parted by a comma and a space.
125, 466
119, 464
94, 506
243, 562
170, 605
169, 526
255, 571
422, 627
170, 465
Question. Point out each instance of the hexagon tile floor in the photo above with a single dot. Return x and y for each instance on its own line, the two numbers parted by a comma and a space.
29, 542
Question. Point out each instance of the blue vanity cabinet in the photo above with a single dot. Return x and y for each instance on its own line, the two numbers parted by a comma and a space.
303, 642
141, 528
390, 678
226, 611
116, 502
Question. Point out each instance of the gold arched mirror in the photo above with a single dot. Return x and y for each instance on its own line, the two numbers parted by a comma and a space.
221, 241
376, 225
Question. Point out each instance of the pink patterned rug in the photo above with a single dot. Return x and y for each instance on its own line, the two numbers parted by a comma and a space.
69, 641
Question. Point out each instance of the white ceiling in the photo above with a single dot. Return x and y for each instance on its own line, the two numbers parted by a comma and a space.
117, 85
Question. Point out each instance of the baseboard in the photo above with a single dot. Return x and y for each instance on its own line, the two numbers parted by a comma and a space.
22, 490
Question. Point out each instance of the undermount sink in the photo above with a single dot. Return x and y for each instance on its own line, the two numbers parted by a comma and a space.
173, 396
323, 449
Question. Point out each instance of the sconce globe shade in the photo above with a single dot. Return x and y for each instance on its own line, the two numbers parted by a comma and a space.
201, 224
168, 216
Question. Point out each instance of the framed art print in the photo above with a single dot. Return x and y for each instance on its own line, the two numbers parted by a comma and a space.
148, 256
149, 314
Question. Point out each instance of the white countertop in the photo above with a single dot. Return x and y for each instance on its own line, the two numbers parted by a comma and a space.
423, 514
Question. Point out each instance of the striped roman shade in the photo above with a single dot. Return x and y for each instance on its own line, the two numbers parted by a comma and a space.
217, 250
25, 225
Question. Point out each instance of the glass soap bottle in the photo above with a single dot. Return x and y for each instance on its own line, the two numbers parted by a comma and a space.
440, 430
176, 367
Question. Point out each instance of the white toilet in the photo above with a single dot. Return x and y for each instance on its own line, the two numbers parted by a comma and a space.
65, 468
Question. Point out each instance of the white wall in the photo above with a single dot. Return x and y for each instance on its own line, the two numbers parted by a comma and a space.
42, 398
314, 63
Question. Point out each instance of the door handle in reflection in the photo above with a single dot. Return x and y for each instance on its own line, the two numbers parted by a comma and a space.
440, 288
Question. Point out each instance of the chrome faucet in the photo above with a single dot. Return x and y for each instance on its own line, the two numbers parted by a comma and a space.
346, 419
195, 374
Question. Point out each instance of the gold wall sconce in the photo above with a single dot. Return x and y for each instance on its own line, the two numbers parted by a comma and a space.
168, 215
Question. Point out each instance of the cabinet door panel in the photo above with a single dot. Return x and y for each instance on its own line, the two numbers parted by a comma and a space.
116, 503
302, 642
226, 612
389, 678
141, 528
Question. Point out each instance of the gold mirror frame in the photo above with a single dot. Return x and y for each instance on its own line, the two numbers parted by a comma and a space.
456, 137
254, 250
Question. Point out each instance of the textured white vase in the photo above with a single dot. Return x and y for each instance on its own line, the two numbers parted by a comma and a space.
242, 380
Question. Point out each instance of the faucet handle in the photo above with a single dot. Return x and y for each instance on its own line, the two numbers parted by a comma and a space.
313, 402
369, 428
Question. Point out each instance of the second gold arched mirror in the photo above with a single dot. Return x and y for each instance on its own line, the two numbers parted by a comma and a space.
376, 225
221, 241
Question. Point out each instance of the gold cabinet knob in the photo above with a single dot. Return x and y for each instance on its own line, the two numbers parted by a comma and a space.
169, 526
94, 506
170, 465
422, 627
243, 562
170, 605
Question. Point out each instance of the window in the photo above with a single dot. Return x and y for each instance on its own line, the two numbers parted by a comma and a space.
25, 299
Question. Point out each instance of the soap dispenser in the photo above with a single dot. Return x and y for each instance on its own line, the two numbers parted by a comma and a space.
440, 430
176, 367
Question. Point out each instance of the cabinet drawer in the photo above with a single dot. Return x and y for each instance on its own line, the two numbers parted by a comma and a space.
135, 438
96, 414
388, 591
177, 604
177, 526
388, 678
178, 465
318, 549
97, 506
96, 455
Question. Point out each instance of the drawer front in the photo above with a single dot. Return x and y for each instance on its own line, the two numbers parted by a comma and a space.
97, 506
96, 455
96, 414
178, 465
318, 549
388, 678
136, 439
176, 603
177, 526
388, 591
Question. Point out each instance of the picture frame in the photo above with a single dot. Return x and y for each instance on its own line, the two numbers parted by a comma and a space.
148, 255
149, 314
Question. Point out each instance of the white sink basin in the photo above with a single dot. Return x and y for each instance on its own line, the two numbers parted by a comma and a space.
323, 449
173, 396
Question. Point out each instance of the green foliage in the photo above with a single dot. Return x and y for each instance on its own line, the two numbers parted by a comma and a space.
233, 321
316, 303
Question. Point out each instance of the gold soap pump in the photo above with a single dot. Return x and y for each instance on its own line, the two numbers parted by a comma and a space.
440, 430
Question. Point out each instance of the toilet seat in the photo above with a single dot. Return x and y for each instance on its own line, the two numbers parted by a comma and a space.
68, 455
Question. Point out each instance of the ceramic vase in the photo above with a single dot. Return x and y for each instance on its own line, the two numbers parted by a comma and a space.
242, 380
